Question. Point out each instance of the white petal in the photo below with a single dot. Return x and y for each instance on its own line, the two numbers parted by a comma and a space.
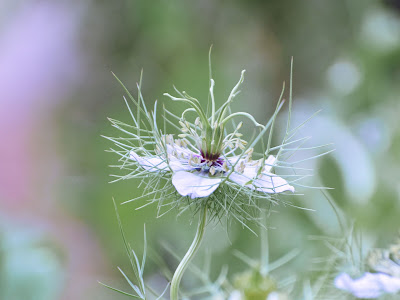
235, 295
242, 178
369, 286
272, 184
276, 296
150, 163
179, 164
179, 158
180, 151
194, 185
390, 284
233, 159
273, 296
358, 287
267, 183
269, 163
250, 171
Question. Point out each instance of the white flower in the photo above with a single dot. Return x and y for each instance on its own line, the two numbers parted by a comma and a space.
277, 296
368, 286
210, 162
235, 295
196, 176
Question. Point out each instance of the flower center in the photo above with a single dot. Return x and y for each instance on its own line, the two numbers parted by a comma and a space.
212, 165
210, 156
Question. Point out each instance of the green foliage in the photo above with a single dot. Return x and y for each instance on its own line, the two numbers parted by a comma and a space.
138, 268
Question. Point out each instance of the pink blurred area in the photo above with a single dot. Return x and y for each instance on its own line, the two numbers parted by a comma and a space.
41, 65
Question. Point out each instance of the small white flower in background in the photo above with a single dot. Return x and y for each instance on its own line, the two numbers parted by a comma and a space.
235, 295
368, 286
385, 279
277, 296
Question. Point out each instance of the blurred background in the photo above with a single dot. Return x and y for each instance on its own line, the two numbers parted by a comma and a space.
58, 229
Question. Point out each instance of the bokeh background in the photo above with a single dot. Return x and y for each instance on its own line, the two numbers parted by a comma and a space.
58, 230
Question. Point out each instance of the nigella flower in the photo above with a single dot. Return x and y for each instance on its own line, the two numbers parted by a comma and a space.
385, 263
196, 173
199, 168
209, 161
210, 167
369, 285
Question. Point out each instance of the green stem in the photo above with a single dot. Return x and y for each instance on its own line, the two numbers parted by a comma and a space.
176, 279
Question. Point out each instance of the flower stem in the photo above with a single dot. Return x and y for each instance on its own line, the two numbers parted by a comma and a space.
176, 279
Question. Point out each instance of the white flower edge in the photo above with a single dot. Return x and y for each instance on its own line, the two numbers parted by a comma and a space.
368, 286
